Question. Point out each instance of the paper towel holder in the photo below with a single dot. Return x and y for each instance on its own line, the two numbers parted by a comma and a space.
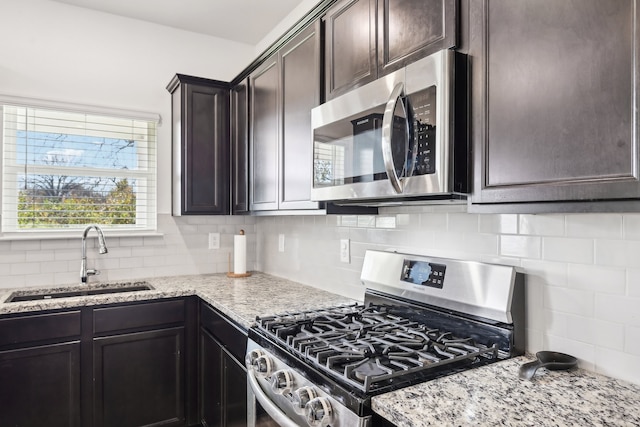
230, 272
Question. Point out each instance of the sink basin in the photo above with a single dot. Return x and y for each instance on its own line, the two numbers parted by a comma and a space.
113, 288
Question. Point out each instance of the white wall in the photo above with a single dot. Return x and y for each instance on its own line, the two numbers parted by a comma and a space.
289, 21
53, 51
582, 270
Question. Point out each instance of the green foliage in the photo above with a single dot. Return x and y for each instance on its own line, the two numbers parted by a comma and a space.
36, 210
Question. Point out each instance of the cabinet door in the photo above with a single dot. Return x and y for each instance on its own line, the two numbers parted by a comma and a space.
40, 386
200, 110
210, 379
350, 46
139, 379
554, 94
300, 84
240, 148
265, 136
235, 392
412, 29
223, 385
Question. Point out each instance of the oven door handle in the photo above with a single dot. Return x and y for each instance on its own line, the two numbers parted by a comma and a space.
387, 137
270, 408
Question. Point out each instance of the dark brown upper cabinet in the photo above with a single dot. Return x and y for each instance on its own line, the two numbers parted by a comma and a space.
283, 90
555, 120
200, 133
366, 39
240, 148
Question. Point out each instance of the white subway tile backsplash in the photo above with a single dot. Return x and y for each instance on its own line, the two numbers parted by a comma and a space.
633, 282
175, 251
631, 226
25, 245
597, 278
499, 224
464, 222
521, 246
385, 222
433, 221
618, 308
542, 225
605, 334
546, 272
632, 341
578, 251
621, 253
366, 221
556, 323
594, 225
617, 364
569, 301
24, 268
484, 244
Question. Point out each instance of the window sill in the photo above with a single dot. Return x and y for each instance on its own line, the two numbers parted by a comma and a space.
76, 234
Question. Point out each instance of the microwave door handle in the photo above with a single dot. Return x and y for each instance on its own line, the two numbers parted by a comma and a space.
387, 130
269, 407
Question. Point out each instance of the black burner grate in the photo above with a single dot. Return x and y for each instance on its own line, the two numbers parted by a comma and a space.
369, 347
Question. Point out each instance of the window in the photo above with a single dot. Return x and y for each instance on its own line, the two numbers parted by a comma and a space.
62, 170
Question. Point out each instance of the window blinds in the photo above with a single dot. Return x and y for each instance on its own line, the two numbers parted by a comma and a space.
63, 170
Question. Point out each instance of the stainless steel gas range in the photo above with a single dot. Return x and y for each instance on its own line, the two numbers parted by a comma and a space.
422, 318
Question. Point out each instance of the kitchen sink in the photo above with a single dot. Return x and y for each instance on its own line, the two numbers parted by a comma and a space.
77, 291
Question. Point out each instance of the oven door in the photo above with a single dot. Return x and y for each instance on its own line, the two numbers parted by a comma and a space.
262, 412
278, 395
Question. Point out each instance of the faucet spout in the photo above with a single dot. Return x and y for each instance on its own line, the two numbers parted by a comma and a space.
102, 249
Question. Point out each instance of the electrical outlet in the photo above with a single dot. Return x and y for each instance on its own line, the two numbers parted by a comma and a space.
214, 240
345, 250
280, 242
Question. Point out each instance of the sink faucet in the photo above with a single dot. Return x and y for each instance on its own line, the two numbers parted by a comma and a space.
102, 250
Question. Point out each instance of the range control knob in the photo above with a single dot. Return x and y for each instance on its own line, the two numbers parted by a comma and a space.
301, 397
252, 356
282, 381
263, 366
318, 412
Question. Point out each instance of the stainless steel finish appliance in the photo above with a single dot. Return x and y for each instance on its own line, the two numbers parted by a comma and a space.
422, 318
402, 137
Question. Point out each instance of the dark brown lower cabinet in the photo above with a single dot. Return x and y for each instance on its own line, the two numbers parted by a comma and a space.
222, 376
139, 379
40, 386
144, 363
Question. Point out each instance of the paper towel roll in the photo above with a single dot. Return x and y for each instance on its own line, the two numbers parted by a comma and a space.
240, 253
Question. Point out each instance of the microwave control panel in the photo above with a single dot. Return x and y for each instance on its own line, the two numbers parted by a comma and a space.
423, 107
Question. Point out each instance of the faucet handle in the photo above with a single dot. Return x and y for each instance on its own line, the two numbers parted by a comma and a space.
93, 272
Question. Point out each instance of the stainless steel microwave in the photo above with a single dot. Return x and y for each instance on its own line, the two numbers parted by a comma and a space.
401, 138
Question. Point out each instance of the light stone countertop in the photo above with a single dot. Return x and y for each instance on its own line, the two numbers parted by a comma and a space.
493, 395
240, 299
487, 396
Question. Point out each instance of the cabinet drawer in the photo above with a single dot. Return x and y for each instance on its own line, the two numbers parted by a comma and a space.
230, 336
138, 316
26, 329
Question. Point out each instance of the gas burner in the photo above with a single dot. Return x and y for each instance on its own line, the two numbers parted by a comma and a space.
368, 346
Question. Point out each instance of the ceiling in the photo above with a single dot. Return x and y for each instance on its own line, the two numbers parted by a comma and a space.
244, 21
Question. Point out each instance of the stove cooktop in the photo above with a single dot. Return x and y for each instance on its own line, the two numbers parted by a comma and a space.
371, 349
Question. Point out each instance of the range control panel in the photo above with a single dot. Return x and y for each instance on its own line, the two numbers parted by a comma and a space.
423, 273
